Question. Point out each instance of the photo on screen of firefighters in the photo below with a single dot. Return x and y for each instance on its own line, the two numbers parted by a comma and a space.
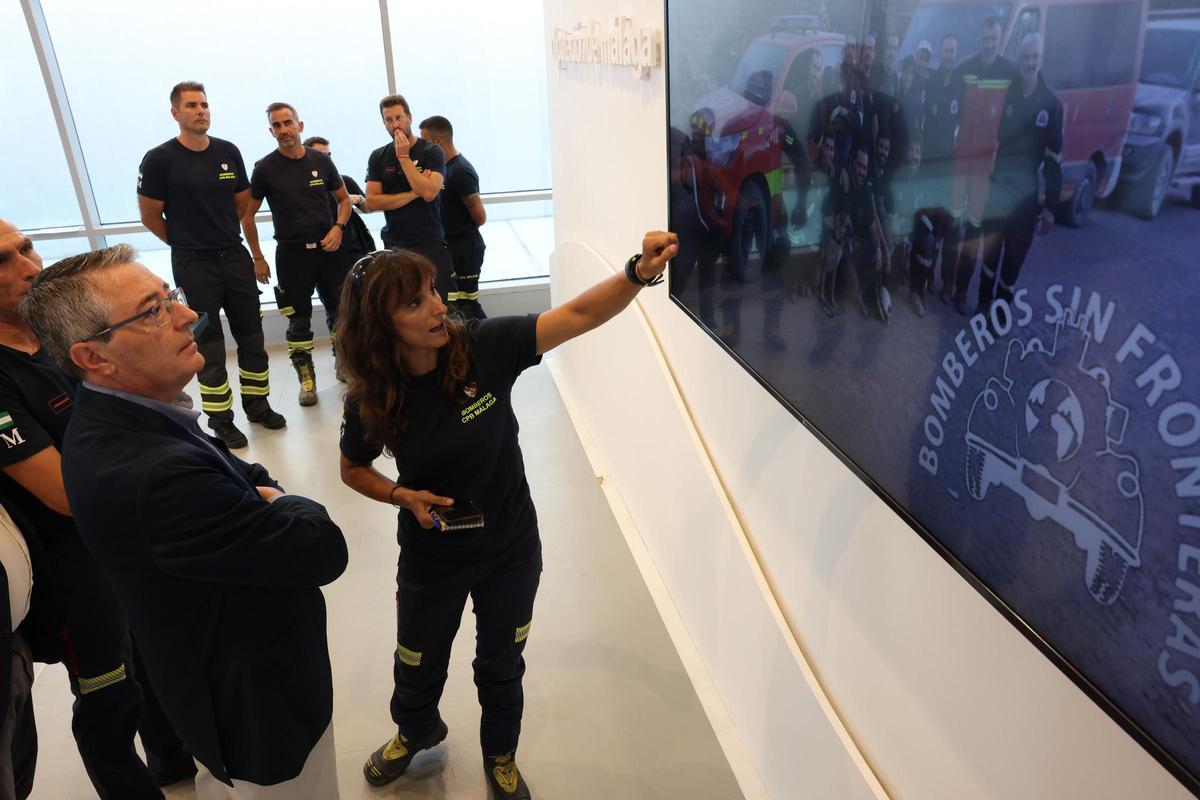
960, 238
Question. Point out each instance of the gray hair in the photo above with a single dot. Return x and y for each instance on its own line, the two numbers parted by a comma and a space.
62, 306
1035, 38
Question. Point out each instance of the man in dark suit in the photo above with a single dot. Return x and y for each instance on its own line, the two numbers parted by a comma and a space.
215, 567
74, 617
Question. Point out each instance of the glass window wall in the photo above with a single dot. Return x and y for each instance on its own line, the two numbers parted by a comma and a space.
37, 184
328, 62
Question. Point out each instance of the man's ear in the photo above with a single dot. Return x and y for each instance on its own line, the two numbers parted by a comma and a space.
90, 358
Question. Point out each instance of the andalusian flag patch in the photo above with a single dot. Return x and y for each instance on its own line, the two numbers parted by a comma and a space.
6, 421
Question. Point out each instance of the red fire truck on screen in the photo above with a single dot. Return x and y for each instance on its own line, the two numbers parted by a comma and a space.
742, 124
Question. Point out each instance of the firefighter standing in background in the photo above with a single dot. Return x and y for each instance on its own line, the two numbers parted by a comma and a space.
192, 191
463, 214
986, 79
834, 183
297, 181
1030, 140
885, 199
804, 82
866, 236
841, 115
883, 76
944, 93
357, 240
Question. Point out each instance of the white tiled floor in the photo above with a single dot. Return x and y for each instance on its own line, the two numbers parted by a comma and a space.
609, 711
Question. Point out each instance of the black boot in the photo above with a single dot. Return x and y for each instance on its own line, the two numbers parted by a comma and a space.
393, 757
308, 382
504, 779
224, 429
259, 411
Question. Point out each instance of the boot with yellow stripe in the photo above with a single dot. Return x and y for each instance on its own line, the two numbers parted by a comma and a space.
256, 387
504, 779
308, 382
301, 354
392, 759
217, 403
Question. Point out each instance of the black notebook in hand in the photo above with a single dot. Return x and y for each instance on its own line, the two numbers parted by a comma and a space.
458, 517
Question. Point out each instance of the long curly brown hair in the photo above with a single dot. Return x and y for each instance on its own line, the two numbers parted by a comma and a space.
369, 351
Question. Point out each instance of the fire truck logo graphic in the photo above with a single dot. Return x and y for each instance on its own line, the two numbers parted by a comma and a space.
1050, 436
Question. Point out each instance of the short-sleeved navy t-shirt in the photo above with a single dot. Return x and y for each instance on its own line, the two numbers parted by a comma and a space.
35, 406
298, 190
418, 222
198, 190
462, 181
466, 449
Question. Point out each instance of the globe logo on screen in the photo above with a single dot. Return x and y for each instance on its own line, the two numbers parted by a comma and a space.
1026, 434
1053, 422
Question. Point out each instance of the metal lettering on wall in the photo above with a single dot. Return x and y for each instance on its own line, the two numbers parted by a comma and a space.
958, 238
621, 44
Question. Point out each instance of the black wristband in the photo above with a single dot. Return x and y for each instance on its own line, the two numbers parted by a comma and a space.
631, 272
341, 225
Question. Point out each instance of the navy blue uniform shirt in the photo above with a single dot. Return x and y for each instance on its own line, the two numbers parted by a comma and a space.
418, 222
198, 190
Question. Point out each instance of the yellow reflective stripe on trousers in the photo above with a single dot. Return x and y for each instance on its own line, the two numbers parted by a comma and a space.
410, 657
287, 311
211, 398
523, 632
254, 376
775, 181
213, 408
89, 685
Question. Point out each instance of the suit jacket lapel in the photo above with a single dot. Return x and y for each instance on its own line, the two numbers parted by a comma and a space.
140, 420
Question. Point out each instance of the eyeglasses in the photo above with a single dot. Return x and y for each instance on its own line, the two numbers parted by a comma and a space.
359, 270
160, 314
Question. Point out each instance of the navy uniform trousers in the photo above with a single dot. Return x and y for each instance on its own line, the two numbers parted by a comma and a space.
113, 701
1007, 240
302, 268
467, 255
216, 280
430, 595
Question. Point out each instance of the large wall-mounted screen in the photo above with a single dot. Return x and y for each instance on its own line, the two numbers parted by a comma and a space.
960, 240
